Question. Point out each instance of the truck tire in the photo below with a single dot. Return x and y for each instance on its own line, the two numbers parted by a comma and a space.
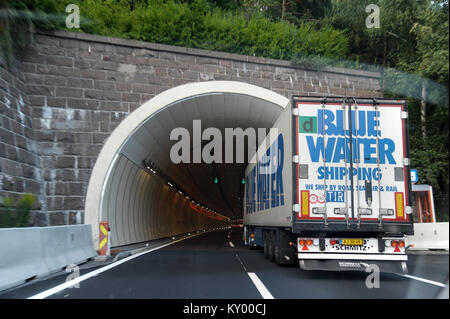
245, 237
266, 245
271, 247
277, 253
279, 241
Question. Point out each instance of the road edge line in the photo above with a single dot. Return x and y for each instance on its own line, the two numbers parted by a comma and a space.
265, 293
96, 272
431, 282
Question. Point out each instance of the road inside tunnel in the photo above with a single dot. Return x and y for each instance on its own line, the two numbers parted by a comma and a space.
144, 194
217, 265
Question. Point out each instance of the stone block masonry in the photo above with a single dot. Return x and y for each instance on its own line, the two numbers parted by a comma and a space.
19, 158
66, 94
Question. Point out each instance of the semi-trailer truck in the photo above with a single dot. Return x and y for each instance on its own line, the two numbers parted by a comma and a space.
330, 186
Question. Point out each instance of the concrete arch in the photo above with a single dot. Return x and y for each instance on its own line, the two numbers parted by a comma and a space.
109, 159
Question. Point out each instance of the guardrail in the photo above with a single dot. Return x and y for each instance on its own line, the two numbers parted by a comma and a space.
31, 252
429, 236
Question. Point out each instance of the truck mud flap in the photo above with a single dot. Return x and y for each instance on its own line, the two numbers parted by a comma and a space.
397, 267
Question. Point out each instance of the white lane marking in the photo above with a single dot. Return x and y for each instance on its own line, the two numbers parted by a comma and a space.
74, 281
260, 286
431, 282
231, 244
242, 264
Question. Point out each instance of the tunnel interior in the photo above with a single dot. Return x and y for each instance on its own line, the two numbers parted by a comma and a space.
146, 196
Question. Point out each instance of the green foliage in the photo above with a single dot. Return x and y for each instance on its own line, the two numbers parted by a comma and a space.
16, 216
197, 24
431, 33
24, 206
294, 11
26, 202
8, 202
5, 212
16, 28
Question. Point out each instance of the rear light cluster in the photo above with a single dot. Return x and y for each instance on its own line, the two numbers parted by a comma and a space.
395, 243
308, 242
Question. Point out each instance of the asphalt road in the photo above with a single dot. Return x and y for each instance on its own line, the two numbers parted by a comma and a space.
217, 265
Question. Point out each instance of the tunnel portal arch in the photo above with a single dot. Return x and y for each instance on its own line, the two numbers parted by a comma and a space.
124, 150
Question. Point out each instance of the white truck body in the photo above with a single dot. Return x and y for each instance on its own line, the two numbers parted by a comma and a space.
302, 185
265, 200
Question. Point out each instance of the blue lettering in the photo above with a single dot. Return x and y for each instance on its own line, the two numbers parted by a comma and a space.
372, 123
264, 183
387, 147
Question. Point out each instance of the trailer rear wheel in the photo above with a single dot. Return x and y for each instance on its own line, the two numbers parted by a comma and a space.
272, 246
277, 257
266, 245
245, 236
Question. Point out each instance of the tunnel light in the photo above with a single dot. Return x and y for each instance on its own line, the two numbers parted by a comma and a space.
170, 184
180, 192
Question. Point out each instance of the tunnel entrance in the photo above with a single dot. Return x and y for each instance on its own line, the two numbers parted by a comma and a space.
137, 188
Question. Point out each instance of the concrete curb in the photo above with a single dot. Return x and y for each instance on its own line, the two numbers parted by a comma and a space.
35, 252
429, 236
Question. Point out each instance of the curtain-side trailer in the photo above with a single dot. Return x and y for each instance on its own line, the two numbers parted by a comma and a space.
330, 185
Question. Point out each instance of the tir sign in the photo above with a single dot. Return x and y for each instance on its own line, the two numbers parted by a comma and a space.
307, 124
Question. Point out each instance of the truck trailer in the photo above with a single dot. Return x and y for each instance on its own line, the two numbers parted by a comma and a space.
330, 186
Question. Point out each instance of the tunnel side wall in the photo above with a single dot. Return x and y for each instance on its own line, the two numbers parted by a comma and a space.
77, 88
20, 167
141, 206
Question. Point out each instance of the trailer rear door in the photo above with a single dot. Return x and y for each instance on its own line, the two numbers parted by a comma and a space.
368, 190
